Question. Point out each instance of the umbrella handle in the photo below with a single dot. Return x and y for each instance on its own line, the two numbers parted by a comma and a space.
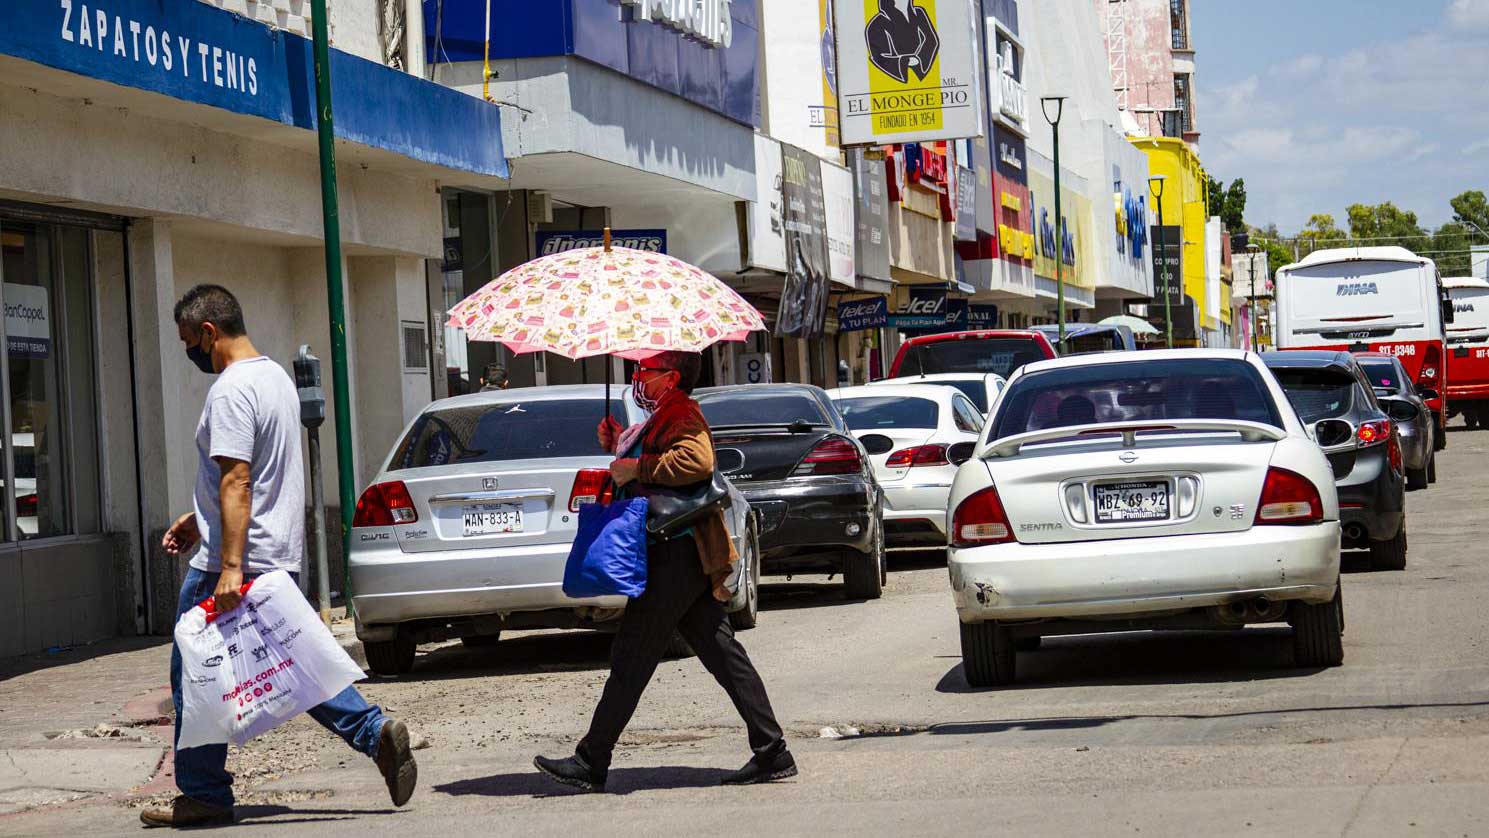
607, 389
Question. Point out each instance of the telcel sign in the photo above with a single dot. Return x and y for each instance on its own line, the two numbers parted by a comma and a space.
706, 20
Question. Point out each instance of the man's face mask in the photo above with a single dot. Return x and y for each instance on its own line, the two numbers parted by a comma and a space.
201, 357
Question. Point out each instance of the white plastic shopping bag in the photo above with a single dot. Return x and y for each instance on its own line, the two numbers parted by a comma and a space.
257, 666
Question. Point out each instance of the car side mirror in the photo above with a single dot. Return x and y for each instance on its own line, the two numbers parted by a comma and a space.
1427, 394
1332, 432
876, 444
1401, 410
961, 452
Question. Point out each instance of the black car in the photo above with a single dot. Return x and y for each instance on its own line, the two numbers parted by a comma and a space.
808, 479
1334, 399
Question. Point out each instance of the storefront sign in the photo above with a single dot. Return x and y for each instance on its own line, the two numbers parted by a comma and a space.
752, 368
908, 71
872, 218
194, 52
924, 308
1168, 264
966, 204
767, 214
859, 315
707, 20
804, 298
982, 316
560, 241
28, 324
837, 188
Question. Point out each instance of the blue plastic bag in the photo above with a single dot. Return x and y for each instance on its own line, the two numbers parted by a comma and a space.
608, 557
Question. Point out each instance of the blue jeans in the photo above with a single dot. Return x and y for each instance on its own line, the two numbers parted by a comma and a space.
201, 773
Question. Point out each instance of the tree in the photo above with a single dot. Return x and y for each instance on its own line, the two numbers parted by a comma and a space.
1321, 233
1271, 240
1471, 208
1384, 225
1228, 203
1449, 248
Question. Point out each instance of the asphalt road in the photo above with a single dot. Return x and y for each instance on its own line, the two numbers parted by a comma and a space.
1177, 734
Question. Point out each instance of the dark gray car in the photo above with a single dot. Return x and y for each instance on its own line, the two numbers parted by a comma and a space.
1397, 396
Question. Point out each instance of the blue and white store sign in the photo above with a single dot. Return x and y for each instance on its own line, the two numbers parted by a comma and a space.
705, 51
28, 330
550, 242
198, 53
858, 315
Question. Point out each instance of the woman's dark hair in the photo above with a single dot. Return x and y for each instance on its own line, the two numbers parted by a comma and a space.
211, 304
689, 366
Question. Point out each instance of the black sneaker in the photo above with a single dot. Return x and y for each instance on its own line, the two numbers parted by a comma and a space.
396, 761
571, 771
763, 770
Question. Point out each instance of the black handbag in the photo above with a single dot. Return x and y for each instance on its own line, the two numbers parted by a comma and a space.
672, 509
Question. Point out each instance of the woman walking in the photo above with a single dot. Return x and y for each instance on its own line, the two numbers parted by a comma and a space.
685, 586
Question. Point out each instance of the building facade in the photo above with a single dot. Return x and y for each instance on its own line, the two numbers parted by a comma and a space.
152, 145
1150, 56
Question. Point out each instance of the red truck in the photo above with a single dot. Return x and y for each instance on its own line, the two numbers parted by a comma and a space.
1468, 350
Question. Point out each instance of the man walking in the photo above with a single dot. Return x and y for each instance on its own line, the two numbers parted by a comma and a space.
249, 517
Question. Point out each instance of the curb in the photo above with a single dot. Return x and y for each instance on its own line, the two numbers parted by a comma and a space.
346, 637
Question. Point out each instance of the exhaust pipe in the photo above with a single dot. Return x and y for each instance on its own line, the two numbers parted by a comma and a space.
1236, 611
1355, 532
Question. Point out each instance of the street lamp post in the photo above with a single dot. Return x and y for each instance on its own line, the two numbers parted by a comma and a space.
1054, 121
1253, 248
1155, 184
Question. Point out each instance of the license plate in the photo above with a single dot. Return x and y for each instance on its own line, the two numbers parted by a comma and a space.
1138, 500
491, 519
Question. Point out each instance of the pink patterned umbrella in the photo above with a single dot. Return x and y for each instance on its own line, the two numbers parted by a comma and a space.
606, 301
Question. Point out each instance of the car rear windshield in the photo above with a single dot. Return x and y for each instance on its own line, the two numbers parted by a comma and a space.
973, 388
1091, 342
1382, 375
1318, 394
508, 430
878, 412
981, 355
742, 407
1135, 391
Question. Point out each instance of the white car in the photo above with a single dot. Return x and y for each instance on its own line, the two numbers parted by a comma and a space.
916, 436
1158, 490
982, 389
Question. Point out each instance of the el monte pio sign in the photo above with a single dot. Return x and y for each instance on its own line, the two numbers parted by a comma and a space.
707, 20
907, 71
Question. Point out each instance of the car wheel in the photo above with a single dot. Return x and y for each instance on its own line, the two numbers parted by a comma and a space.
390, 658
863, 573
1471, 419
1391, 554
1417, 478
1318, 632
480, 641
747, 617
1432, 469
987, 654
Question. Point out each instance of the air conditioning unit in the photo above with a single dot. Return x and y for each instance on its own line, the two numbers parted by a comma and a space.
539, 208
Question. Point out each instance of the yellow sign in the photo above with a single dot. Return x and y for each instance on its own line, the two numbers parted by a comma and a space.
1012, 202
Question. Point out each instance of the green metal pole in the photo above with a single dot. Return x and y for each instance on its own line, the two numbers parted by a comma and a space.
335, 298
1059, 240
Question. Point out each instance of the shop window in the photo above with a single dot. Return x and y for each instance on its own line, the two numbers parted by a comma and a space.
50, 456
1183, 103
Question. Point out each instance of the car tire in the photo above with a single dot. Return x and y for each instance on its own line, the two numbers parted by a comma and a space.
1471, 419
1390, 554
1318, 632
1432, 468
747, 617
863, 573
1417, 478
390, 658
480, 641
988, 654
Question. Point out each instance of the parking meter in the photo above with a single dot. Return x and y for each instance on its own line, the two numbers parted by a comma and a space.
308, 383
312, 414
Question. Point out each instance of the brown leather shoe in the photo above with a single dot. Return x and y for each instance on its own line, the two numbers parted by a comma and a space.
184, 811
396, 761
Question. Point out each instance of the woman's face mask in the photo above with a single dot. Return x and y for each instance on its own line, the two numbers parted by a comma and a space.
657, 382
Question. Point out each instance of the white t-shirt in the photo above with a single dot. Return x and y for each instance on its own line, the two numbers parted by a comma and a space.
253, 414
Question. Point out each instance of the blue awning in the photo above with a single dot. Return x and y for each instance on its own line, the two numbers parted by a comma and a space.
198, 53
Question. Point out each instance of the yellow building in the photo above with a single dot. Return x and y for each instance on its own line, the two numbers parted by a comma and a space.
1185, 205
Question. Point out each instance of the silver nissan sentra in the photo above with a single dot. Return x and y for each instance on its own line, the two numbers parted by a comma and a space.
465, 530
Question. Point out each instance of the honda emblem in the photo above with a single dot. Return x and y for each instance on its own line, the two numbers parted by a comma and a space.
488, 483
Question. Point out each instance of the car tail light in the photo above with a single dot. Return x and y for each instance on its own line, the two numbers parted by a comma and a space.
1393, 454
833, 455
1289, 498
920, 455
980, 520
385, 504
1431, 367
591, 485
1373, 433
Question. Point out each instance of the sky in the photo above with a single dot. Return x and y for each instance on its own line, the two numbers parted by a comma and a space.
1320, 104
